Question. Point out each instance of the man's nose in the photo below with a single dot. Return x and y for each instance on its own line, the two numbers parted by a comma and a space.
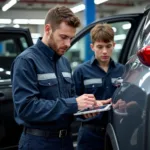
68, 42
104, 50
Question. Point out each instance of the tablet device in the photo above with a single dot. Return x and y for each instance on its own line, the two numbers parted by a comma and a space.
94, 110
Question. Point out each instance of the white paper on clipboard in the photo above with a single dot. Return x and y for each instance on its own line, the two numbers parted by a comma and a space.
99, 109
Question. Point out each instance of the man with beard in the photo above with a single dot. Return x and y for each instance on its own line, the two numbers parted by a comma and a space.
43, 90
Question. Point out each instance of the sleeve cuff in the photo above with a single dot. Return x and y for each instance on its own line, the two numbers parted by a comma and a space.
72, 104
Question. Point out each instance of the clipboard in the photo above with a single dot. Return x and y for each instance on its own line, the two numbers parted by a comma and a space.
94, 110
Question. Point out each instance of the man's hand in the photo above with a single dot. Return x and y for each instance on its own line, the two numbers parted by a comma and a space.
103, 102
86, 101
98, 104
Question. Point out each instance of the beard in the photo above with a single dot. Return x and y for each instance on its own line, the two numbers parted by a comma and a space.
52, 43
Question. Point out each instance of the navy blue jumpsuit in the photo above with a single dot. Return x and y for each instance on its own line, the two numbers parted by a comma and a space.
44, 97
90, 78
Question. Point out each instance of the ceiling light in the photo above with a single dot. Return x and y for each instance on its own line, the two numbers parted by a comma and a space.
16, 26
126, 26
9, 4
29, 21
20, 21
36, 21
1, 69
7, 72
97, 2
114, 28
118, 46
119, 37
78, 8
5, 21
35, 35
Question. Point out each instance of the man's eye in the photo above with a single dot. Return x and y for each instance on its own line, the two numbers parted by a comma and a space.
63, 37
99, 47
108, 46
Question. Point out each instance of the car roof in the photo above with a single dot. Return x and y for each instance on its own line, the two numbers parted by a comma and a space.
4, 29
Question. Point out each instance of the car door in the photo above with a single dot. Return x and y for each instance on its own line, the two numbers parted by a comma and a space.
129, 119
12, 42
126, 27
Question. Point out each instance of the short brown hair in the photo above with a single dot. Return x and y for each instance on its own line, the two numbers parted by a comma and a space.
102, 32
61, 14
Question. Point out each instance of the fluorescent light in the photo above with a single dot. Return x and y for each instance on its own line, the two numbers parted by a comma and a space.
126, 26
1, 69
81, 7
35, 35
8, 5
119, 37
97, 2
5, 21
118, 46
20, 21
29, 21
7, 72
16, 26
36, 21
78, 8
114, 28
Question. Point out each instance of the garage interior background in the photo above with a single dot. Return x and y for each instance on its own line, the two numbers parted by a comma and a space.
30, 14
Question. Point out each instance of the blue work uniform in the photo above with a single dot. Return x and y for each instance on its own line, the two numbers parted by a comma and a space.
90, 78
44, 98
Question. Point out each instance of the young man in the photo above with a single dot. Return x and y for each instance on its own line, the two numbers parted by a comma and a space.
96, 76
43, 91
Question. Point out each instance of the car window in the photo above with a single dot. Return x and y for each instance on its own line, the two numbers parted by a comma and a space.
76, 54
24, 43
7, 47
10, 47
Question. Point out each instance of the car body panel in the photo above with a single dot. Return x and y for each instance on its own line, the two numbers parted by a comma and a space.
129, 117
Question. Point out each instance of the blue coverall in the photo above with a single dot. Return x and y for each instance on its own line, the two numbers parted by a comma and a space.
90, 78
43, 96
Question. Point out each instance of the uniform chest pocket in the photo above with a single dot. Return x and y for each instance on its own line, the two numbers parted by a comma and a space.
92, 85
49, 83
67, 80
93, 88
48, 88
67, 83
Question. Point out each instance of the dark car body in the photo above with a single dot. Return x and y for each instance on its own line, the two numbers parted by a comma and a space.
129, 36
12, 42
129, 123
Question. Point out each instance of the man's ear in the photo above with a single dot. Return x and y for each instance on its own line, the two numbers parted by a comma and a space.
48, 29
91, 45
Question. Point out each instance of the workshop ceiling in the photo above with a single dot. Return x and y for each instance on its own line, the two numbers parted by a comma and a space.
111, 6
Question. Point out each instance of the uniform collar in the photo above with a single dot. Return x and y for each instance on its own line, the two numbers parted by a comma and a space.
94, 60
47, 50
